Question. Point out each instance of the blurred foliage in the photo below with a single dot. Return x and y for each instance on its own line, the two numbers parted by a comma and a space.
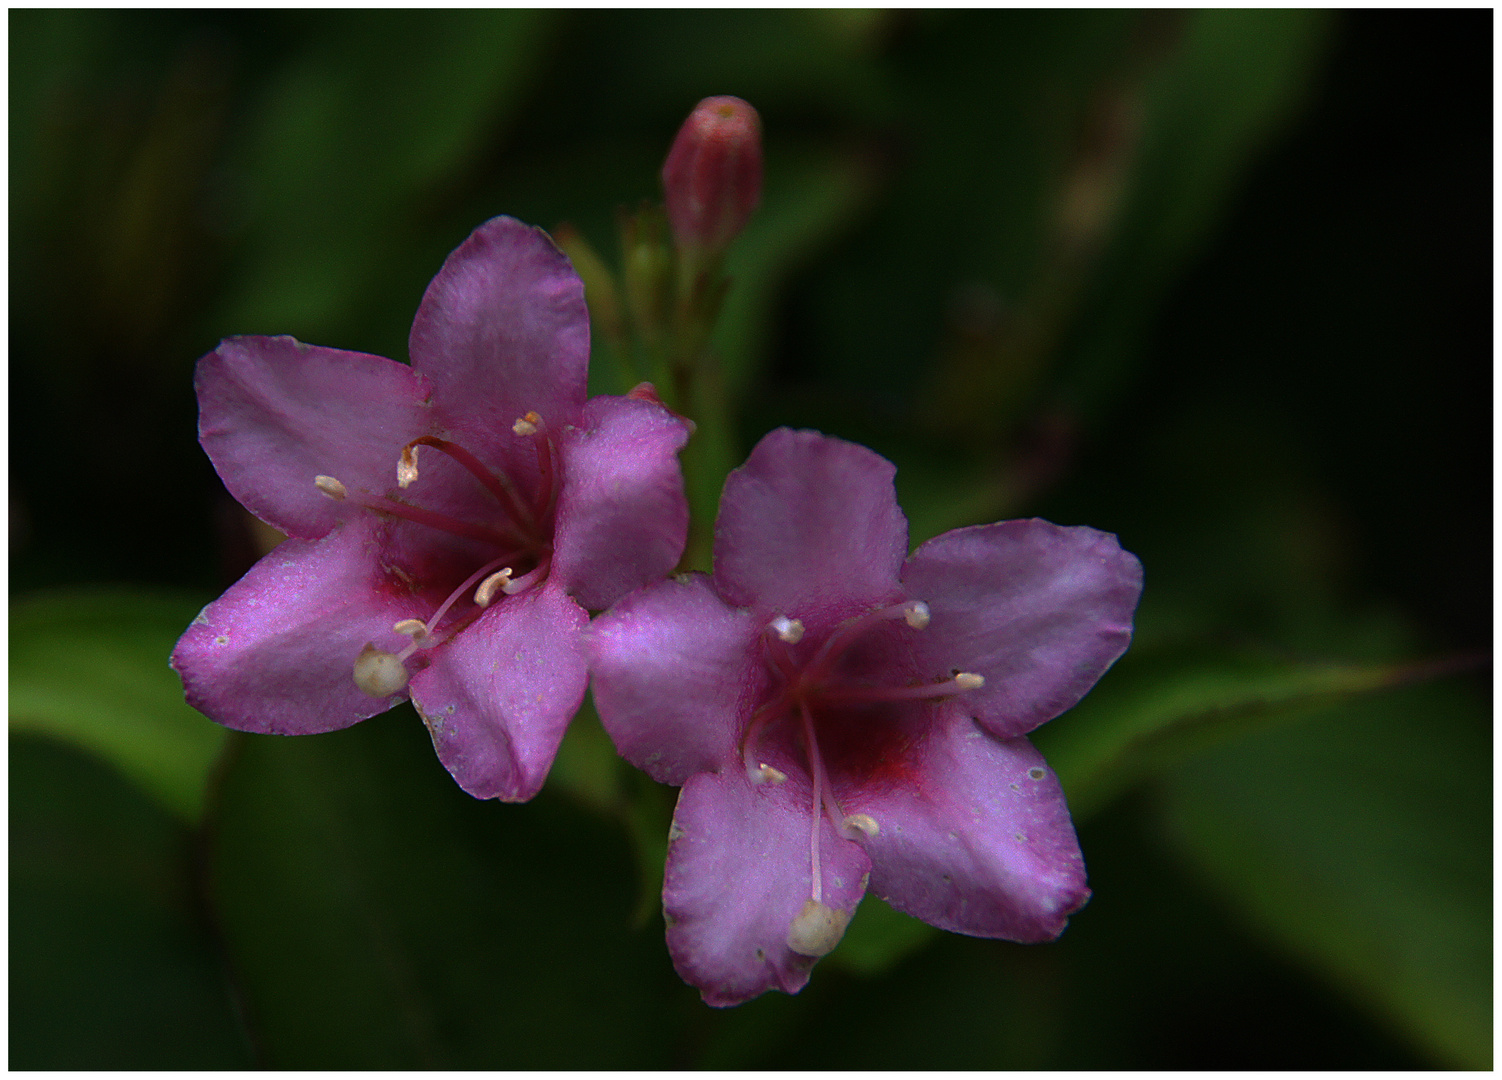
1215, 281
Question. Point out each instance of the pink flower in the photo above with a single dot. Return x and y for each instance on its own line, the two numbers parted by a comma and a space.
450, 521
839, 717
712, 177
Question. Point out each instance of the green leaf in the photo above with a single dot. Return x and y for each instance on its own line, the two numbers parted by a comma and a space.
112, 965
878, 937
346, 143
89, 666
1153, 712
378, 917
1231, 79
1362, 844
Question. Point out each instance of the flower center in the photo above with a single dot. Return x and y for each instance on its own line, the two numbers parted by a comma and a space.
813, 685
516, 544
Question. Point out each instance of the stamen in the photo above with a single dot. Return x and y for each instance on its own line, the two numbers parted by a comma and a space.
406, 465
515, 585
527, 425
488, 588
816, 770
766, 774
469, 582
862, 823
964, 680
789, 630
413, 628
378, 673
818, 667
330, 487
434, 520
816, 929
497, 483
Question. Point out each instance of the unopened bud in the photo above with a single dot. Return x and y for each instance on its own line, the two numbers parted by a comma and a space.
712, 177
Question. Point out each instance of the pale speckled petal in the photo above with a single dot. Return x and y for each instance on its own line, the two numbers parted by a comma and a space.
622, 516
673, 670
738, 873
275, 413
809, 527
980, 840
498, 696
1040, 610
502, 330
276, 652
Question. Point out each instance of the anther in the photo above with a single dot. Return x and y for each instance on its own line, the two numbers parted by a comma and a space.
862, 823
413, 628
406, 465
817, 929
766, 774
527, 425
379, 674
330, 487
491, 585
917, 615
968, 680
789, 630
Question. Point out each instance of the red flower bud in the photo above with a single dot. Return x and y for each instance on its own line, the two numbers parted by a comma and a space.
713, 173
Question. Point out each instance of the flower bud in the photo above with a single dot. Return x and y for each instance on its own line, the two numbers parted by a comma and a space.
712, 177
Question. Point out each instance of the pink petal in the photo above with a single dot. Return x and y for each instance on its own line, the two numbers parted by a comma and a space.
622, 516
275, 413
738, 873
674, 670
979, 841
502, 330
1040, 610
276, 653
498, 696
809, 528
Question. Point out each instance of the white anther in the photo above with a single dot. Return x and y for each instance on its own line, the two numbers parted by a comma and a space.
330, 487
379, 674
413, 628
863, 823
766, 774
511, 586
789, 630
917, 615
527, 425
406, 466
968, 680
496, 581
817, 929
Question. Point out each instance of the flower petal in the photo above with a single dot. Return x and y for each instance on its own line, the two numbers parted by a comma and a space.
809, 528
1039, 609
980, 842
674, 668
275, 413
502, 330
622, 516
498, 696
276, 652
737, 875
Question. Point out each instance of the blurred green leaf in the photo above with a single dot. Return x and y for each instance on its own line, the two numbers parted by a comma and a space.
378, 917
1148, 715
878, 937
348, 142
89, 666
112, 965
1225, 85
1362, 843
